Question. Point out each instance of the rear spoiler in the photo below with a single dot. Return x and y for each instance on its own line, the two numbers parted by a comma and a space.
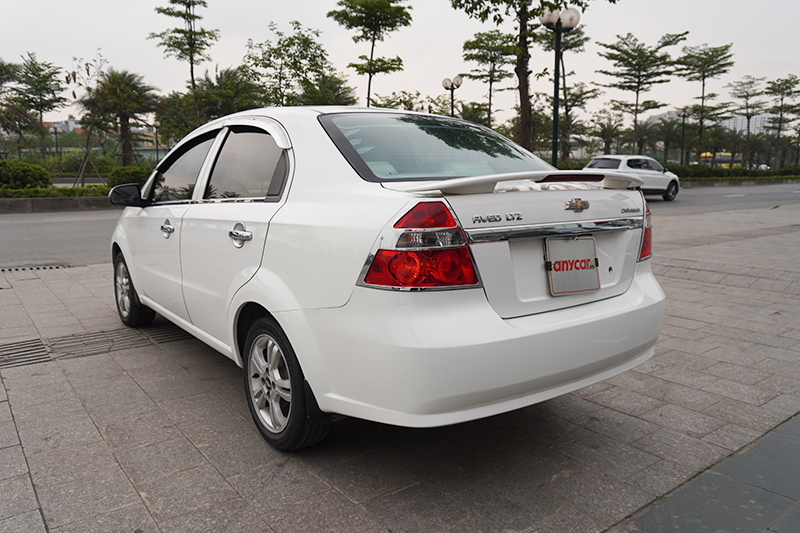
488, 184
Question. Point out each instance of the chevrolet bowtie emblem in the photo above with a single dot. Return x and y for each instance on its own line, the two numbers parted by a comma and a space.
576, 204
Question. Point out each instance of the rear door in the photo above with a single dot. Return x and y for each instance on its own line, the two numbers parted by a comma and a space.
538, 251
225, 231
650, 172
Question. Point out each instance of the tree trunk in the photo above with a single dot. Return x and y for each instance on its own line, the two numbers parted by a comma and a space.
125, 141
522, 71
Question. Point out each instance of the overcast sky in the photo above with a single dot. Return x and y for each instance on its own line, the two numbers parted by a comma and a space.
764, 36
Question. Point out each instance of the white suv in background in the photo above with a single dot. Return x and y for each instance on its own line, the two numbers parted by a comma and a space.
657, 179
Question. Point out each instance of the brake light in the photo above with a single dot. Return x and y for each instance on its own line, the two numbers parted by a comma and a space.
429, 250
647, 240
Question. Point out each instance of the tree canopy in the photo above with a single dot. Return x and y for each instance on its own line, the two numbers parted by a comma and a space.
638, 68
373, 20
189, 44
703, 63
492, 51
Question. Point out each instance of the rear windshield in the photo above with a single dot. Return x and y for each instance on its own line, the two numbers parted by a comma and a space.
603, 163
393, 147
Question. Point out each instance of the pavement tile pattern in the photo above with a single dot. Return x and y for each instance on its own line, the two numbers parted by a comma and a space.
105, 428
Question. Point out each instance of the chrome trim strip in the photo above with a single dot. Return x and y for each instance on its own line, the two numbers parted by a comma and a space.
477, 235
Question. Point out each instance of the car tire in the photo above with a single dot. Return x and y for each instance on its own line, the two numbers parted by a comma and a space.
672, 191
275, 389
130, 310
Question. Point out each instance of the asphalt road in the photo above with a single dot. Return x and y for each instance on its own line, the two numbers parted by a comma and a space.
83, 237
706, 199
71, 238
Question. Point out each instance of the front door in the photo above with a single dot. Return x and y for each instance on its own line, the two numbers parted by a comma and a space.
155, 232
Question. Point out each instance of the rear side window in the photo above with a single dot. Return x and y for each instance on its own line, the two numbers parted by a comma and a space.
176, 179
392, 147
603, 163
638, 164
249, 165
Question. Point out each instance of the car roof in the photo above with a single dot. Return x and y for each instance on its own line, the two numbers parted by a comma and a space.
620, 156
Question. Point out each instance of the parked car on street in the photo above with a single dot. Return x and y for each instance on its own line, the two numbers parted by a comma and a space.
399, 267
656, 179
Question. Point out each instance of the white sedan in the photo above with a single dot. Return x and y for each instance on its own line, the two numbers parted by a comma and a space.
655, 178
400, 267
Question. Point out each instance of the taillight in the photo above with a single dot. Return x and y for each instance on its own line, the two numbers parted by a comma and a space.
647, 239
427, 248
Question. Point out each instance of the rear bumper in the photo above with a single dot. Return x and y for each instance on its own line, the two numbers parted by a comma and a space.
436, 358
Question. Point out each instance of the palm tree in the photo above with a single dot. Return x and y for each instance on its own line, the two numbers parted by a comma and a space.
124, 96
606, 126
715, 140
668, 132
735, 141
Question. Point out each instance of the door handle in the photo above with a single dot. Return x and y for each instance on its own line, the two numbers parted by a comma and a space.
167, 229
240, 235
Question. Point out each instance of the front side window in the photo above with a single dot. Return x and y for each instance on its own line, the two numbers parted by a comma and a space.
176, 179
249, 165
652, 164
392, 147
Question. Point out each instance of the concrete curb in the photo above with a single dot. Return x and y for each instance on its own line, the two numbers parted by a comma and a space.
51, 204
694, 184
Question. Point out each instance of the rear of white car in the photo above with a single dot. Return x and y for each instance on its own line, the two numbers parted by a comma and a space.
420, 271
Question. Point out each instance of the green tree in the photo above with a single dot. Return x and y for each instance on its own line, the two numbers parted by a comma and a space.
125, 96
521, 12
373, 20
328, 89
477, 112
668, 132
190, 43
606, 125
783, 91
492, 51
638, 68
37, 90
747, 91
287, 65
229, 91
12, 116
87, 75
404, 100
176, 115
703, 63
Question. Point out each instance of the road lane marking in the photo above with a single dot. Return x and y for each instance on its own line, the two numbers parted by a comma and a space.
733, 195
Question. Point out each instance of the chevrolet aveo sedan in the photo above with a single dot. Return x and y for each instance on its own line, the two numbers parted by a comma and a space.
655, 178
398, 267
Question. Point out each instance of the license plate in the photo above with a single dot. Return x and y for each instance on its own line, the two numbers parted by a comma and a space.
572, 265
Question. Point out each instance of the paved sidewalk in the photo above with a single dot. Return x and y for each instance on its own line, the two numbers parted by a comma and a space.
104, 428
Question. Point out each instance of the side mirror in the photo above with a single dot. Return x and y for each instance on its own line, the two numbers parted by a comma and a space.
129, 194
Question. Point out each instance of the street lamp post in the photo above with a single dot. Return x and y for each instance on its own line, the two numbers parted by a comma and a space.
55, 132
452, 85
558, 23
685, 112
156, 125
